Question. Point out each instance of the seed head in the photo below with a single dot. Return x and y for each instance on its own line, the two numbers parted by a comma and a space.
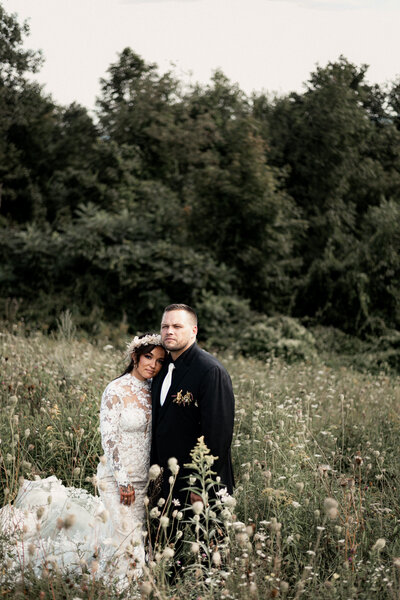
154, 472
379, 545
197, 507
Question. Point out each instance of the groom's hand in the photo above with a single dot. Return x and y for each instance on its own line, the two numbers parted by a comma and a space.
195, 498
126, 494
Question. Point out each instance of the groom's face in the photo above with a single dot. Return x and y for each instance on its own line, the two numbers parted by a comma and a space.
178, 331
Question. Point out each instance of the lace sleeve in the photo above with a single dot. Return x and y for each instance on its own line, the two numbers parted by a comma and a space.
110, 413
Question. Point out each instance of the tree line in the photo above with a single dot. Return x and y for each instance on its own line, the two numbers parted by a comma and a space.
245, 206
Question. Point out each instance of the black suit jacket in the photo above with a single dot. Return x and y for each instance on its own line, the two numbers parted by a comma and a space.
176, 428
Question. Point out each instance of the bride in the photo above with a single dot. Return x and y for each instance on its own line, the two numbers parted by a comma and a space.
53, 525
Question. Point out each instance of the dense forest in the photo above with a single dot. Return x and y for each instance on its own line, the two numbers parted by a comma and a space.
254, 209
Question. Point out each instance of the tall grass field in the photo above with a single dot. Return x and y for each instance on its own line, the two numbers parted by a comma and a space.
316, 510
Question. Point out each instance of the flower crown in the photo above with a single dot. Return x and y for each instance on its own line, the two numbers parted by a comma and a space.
147, 340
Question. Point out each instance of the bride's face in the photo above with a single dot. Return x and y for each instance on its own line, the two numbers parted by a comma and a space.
150, 363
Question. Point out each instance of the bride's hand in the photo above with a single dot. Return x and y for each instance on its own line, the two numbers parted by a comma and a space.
126, 494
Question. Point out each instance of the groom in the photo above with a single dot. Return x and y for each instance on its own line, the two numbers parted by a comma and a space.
192, 397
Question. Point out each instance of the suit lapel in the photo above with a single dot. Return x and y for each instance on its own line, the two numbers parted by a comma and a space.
177, 378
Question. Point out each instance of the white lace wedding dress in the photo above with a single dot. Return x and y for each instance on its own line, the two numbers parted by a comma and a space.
53, 525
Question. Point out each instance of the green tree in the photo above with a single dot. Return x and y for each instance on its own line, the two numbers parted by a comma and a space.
239, 210
340, 148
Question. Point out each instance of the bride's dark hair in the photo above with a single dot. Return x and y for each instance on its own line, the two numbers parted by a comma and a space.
138, 353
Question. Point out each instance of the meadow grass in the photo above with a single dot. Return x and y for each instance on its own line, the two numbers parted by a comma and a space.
316, 460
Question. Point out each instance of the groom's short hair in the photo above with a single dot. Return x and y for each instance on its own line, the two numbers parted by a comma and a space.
184, 307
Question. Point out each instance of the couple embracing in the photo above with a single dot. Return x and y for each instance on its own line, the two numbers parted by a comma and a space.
171, 393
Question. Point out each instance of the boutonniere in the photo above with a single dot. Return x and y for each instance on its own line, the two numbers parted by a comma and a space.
184, 399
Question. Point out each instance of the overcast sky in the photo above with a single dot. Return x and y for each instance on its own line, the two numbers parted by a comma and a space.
270, 45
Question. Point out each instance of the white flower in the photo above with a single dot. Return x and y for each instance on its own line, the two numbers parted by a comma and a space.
216, 558
195, 548
173, 465
164, 521
168, 552
154, 512
229, 501
197, 507
147, 340
154, 472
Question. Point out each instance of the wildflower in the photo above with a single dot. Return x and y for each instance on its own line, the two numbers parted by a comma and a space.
275, 526
146, 588
229, 501
300, 486
250, 530
379, 545
40, 512
331, 508
77, 470
284, 586
164, 521
396, 562
216, 558
358, 459
289, 539
27, 432
197, 507
161, 502
253, 588
173, 465
226, 514
194, 548
168, 552
154, 472
154, 512
296, 504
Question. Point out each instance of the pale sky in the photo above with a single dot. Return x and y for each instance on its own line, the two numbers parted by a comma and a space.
270, 45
